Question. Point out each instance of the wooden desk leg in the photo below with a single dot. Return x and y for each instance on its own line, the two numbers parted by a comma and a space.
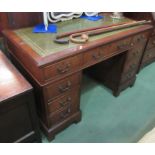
123, 86
116, 93
51, 132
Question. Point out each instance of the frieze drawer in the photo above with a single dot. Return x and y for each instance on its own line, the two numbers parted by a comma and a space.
61, 87
93, 56
135, 54
62, 102
62, 68
103, 52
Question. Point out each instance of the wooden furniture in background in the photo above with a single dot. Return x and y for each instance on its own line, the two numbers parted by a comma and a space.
55, 70
13, 20
18, 119
149, 54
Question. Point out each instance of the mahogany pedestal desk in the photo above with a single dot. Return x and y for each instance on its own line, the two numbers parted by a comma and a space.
18, 119
55, 70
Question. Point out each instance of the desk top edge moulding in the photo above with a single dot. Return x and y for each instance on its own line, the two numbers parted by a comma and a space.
41, 49
55, 70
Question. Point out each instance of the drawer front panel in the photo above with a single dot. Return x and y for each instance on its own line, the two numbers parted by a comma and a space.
130, 66
63, 114
61, 87
134, 57
149, 54
93, 56
62, 102
135, 54
140, 38
103, 52
62, 68
151, 43
119, 46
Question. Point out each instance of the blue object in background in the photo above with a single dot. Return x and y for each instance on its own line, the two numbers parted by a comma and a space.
40, 28
92, 18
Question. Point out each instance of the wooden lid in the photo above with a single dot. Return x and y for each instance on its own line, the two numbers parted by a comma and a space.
12, 83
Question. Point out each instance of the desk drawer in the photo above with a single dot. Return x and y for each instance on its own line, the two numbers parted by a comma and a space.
61, 87
62, 102
149, 54
63, 113
139, 38
94, 55
130, 66
119, 46
134, 56
103, 52
63, 67
151, 43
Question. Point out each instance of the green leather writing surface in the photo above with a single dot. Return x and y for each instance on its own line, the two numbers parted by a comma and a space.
42, 43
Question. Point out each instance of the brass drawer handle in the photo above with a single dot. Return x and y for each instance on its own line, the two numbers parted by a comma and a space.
97, 56
66, 102
63, 69
66, 113
139, 38
65, 88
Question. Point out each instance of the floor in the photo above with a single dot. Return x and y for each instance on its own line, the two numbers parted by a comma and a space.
108, 119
